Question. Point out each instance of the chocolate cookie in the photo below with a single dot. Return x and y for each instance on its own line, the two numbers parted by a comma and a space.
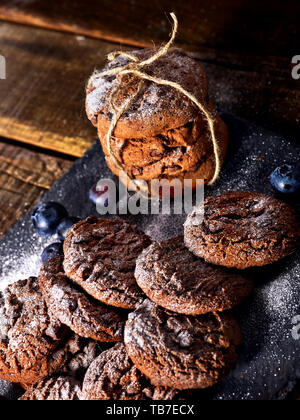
170, 155
242, 230
112, 376
158, 107
75, 309
67, 382
82, 353
100, 256
61, 388
172, 277
163, 134
180, 351
32, 345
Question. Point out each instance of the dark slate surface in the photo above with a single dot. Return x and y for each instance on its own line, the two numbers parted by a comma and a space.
269, 360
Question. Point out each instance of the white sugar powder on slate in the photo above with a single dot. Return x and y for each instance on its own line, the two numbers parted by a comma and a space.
278, 295
269, 352
26, 263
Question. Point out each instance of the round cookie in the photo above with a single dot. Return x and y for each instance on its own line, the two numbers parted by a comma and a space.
100, 256
243, 230
32, 345
170, 155
61, 388
180, 351
157, 107
163, 134
81, 352
112, 376
172, 277
78, 311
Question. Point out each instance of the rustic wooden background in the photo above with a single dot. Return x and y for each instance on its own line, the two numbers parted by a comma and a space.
51, 48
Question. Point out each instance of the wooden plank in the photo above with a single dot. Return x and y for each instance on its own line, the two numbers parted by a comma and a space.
42, 98
255, 88
252, 27
24, 176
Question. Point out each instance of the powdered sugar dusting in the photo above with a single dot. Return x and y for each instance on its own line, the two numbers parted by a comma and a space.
94, 100
278, 295
175, 66
269, 359
26, 263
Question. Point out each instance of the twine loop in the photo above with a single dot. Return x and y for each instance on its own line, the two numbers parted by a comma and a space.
135, 69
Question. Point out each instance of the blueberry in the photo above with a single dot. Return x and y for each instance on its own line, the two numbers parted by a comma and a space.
52, 251
46, 218
65, 225
286, 179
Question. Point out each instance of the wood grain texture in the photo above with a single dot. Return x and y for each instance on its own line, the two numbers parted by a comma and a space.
24, 176
42, 98
239, 26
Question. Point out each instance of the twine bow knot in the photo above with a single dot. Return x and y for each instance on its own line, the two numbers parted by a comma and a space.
135, 68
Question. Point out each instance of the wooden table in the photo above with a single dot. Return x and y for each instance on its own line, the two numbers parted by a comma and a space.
51, 48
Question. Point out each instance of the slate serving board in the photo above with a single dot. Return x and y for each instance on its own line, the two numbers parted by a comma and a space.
269, 360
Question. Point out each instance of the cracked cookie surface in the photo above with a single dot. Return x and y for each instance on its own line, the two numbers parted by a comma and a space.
181, 351
162, 135
113, 376
66, 384
185, 152
157, 107
100, 256
82, 353
83, 315
172, 277
243, 230
61, 388
31, 343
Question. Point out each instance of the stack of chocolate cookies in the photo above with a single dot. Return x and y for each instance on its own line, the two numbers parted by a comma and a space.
163, 135
51, 327
183, 336
180, 336
161, 308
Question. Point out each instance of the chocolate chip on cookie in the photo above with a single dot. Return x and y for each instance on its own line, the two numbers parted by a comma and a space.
112, 376
181, 351
69, 304
100, 256
243, 230
31, 342
172, 277
61, 388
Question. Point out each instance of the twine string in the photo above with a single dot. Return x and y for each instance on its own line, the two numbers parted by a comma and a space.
134, 68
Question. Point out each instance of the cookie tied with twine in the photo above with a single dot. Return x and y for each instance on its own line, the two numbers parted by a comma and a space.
126, 82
